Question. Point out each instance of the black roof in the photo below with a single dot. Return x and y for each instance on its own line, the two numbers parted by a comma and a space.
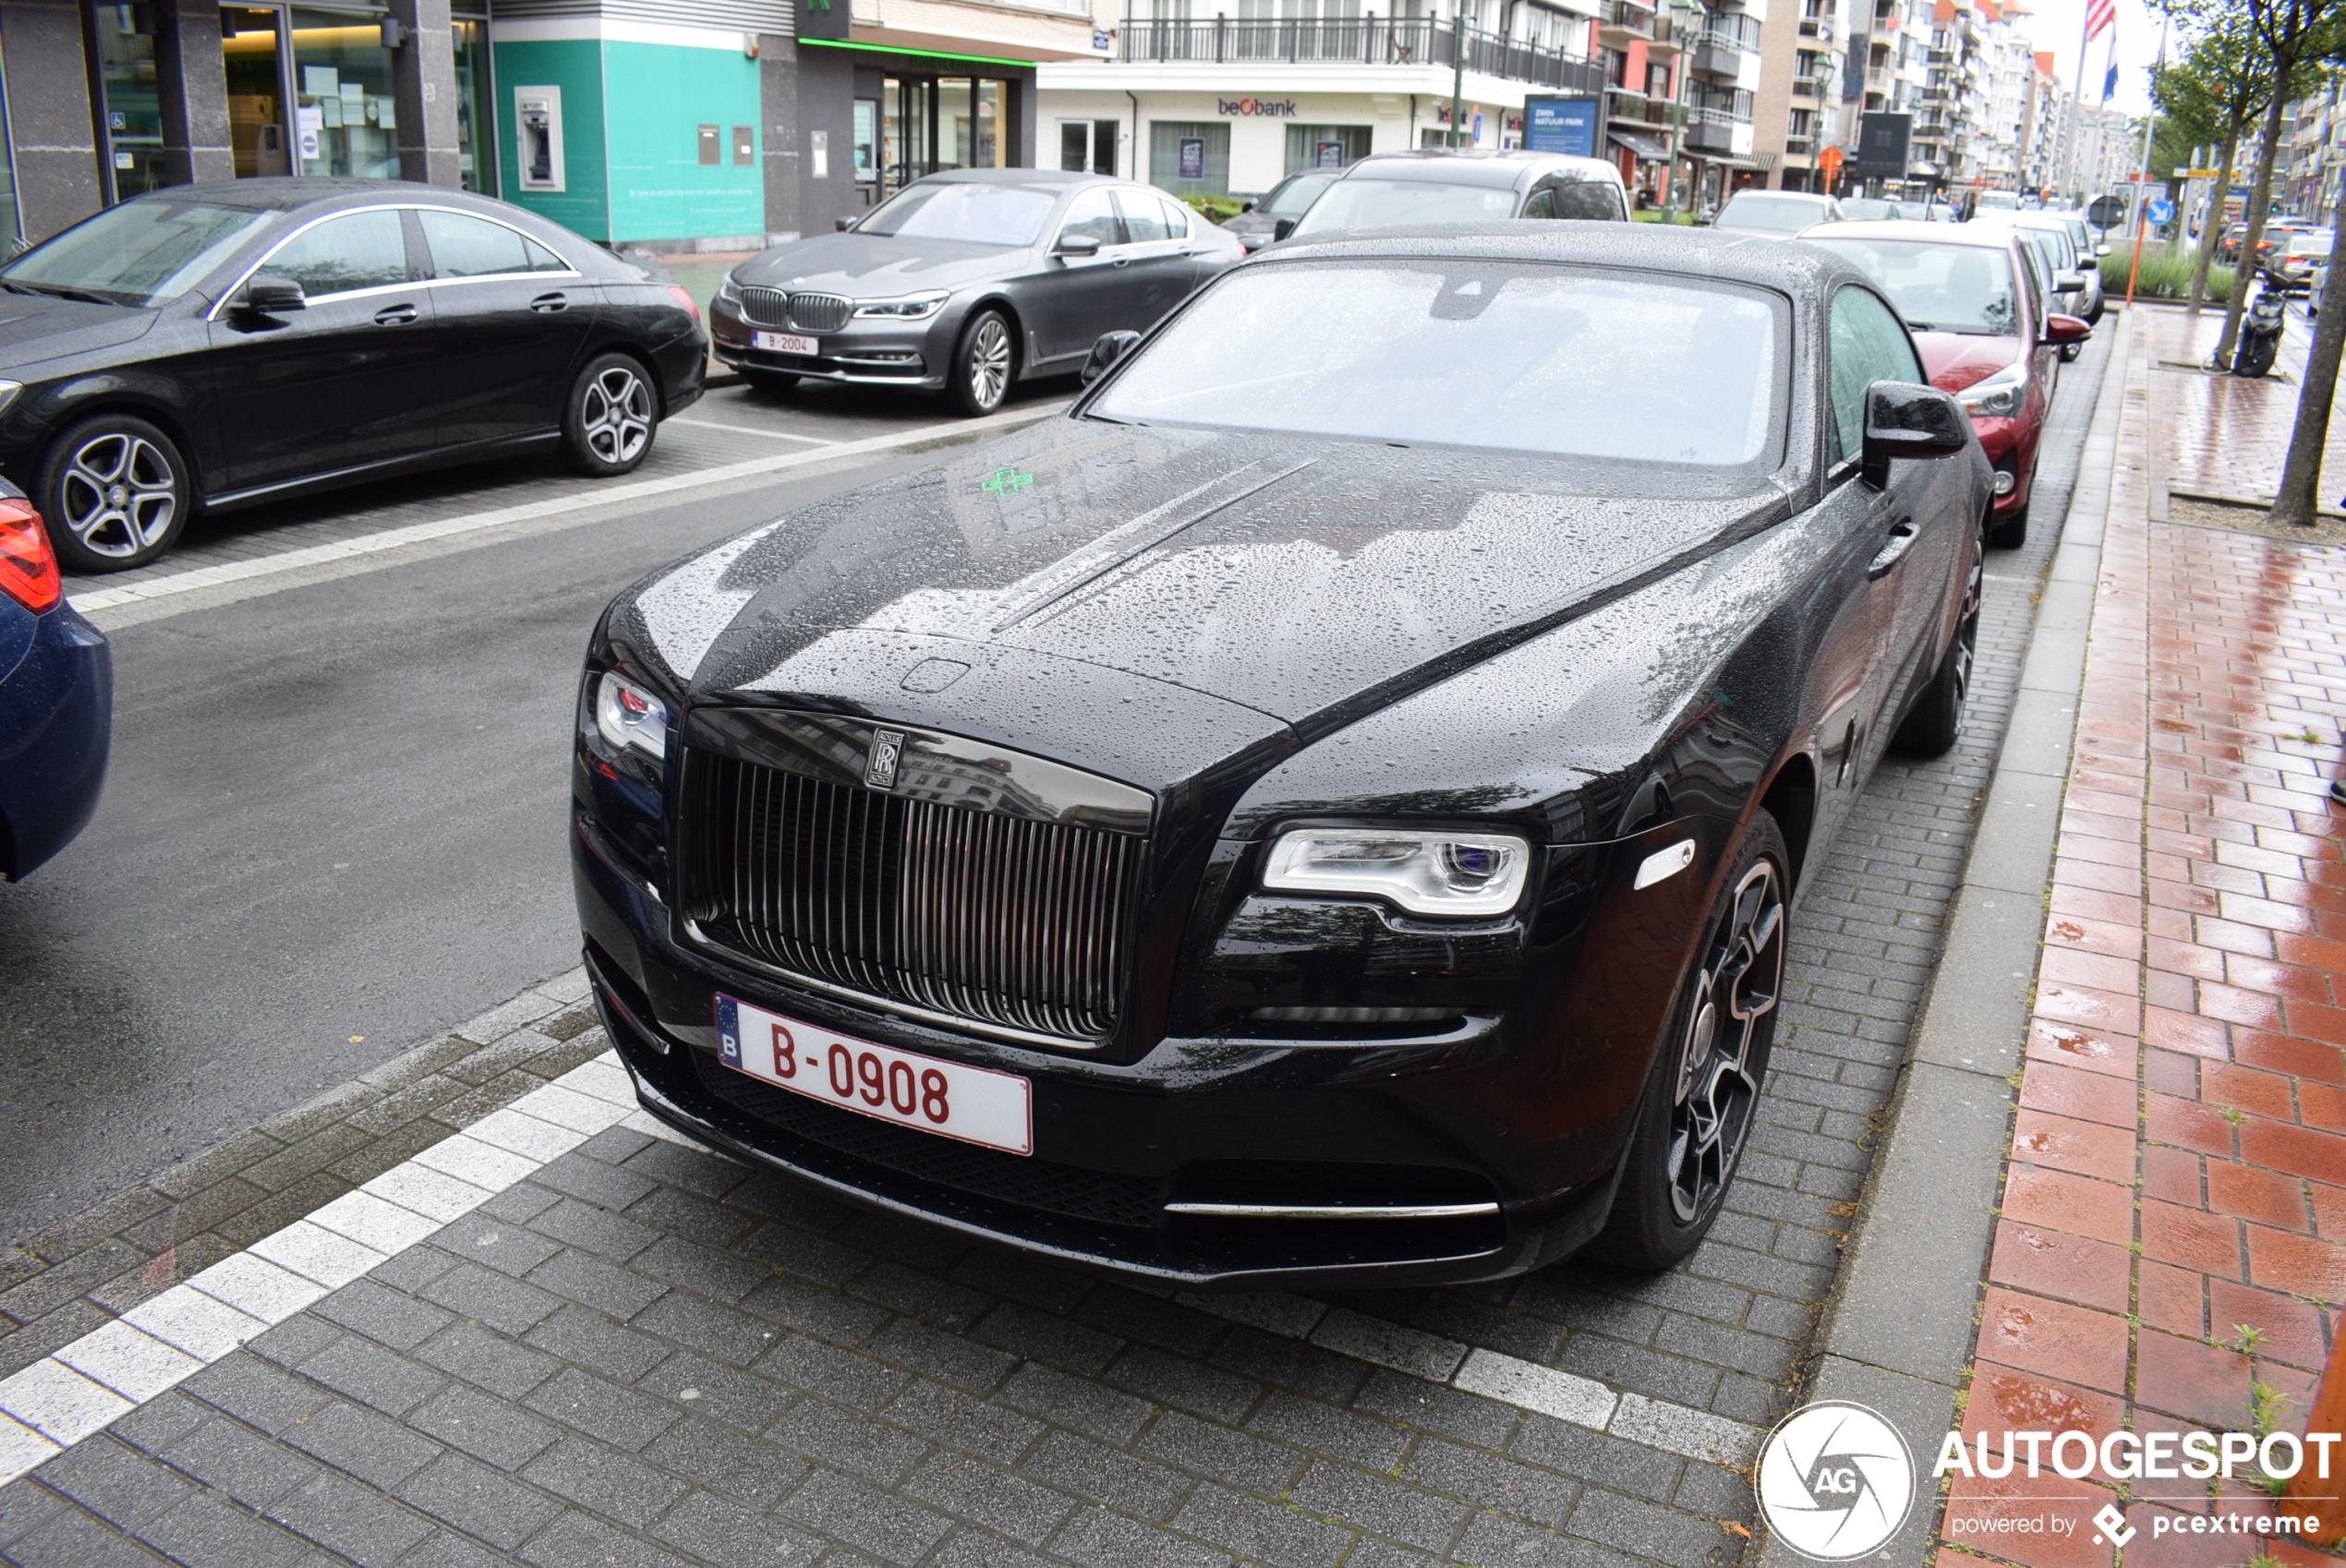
1796, 270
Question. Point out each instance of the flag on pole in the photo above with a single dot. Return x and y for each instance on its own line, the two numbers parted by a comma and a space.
2099, 14
2109, 83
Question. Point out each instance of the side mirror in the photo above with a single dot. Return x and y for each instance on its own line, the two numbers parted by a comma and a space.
2069, 282
270, 294
1106, 354
2067, 328
1078, 245
1281, 229
842, 224
1248, 208
1907, 420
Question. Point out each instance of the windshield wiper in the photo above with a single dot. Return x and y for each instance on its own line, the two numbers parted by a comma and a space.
60, 291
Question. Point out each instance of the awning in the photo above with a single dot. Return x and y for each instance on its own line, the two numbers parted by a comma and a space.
1721, 160
1647, 149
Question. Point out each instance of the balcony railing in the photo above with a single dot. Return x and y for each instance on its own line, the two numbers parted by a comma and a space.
1806, 87
1627, 16
1714, 130
1399, 41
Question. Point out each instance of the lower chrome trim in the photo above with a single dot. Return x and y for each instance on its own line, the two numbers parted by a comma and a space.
952, 1024
1334, 1210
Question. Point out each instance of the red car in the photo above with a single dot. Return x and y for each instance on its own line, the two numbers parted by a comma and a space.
1978, 313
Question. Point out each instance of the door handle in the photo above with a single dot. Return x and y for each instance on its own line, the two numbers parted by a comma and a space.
1902, 535
548, 303
1123, 261
395, 315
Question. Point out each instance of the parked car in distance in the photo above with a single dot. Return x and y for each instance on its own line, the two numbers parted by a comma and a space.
2293, 267
56, 698
966, 282
210, 346
1290, 199
2072, 260
1868, 209
1997, 200
1973, 297
1326, 811
1436, 185
1778, 213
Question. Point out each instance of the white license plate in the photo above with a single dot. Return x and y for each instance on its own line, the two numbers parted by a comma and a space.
784, 342
951, 1099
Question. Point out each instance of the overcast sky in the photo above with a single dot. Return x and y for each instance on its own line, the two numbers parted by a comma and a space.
2055, 26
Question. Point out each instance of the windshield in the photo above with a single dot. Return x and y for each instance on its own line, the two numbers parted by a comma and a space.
1861, 210
2314, 244
1992, 200
1938, 288
1293, 196
1479, 354
1770, 214
142, 253
1368, 203
982, 214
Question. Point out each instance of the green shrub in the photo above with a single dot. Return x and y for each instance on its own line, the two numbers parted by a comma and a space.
1656, 216
2162, 276
1217, 208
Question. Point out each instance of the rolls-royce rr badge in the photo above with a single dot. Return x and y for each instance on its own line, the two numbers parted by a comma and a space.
879, 766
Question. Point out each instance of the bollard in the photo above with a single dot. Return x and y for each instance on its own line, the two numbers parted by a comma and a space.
2325, 1497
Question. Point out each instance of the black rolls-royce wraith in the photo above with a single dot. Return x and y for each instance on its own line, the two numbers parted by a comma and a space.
1327, 809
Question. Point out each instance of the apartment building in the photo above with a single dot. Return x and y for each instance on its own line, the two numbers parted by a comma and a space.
2044, 118
1796, 110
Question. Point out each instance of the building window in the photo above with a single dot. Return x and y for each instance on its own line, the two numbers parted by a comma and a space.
134, 114
1190, 157
344, 122
1325, 147
476, 150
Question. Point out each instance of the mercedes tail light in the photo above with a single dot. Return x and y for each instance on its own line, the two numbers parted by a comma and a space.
27, 567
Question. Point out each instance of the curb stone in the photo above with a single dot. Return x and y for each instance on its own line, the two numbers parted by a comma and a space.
1898, 1329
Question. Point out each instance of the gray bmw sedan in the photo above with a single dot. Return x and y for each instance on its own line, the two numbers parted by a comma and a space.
966, 281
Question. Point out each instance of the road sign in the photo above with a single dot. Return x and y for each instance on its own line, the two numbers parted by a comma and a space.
1829, 163
2160, 212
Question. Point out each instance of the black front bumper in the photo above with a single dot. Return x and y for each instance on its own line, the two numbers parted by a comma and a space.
1115, 1142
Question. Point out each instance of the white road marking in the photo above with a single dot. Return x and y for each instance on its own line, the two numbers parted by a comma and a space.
602, 495
59, 1400
749, 430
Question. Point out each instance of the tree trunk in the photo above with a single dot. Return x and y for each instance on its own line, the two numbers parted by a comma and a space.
2213, 227
2301, 476
2260, 196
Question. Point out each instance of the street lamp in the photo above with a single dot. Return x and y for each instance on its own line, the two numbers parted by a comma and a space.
1458, 68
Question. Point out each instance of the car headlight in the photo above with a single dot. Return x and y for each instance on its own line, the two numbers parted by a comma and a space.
728, 291
1997, 396
629, 718
1432, 873
912, 308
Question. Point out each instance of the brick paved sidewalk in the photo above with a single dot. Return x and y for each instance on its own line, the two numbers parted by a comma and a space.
639, 1353
2172, 1245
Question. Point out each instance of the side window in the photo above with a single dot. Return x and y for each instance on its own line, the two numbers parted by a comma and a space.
1591, 201
1093, 213
1541, 205
358, 250
1143, 218
1868, 345
466, 246
1177, 219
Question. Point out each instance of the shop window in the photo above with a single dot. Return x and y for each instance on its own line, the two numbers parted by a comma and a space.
476, 157
1190, 157
249, 46
1089, 146
1325, 147
345, 121
134, 116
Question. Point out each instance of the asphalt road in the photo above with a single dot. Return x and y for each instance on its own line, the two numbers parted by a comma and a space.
334, 826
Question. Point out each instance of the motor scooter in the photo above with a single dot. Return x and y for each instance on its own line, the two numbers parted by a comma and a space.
2260, 329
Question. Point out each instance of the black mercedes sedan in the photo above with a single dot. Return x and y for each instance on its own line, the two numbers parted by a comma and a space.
966, 282
210, 346
1328, 810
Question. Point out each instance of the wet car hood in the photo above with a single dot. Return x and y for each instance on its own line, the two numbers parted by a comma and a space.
37, 327
877, 266
1954, 360
1292, 575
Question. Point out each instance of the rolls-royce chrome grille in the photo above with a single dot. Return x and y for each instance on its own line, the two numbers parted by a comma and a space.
818, 313
1016, 924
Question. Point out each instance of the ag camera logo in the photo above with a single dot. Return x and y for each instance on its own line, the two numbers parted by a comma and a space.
1835, 1481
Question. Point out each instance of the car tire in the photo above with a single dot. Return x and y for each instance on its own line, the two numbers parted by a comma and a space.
774, 381
114, 492
1935, 723
2009, 532
610, 418
985, 363
1702, 1096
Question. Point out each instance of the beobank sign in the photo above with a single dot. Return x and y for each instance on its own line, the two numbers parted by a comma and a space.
1274, 106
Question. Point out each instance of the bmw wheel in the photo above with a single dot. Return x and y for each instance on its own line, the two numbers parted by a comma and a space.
1703, 1094
983, 364
612, 417
115, 494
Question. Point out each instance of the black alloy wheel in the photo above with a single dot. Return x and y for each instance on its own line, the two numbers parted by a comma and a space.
115, 494
775, 381
983, 364
1703, 1092
610, 418
1936, 721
